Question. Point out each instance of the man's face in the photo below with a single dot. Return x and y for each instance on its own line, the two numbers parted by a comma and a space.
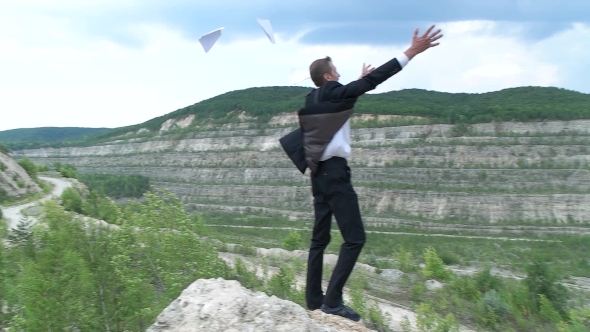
332, 75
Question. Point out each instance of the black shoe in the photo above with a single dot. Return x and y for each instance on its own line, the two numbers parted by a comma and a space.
343, 311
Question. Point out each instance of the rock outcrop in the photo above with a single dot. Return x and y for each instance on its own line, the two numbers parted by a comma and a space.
14, 180
214, 305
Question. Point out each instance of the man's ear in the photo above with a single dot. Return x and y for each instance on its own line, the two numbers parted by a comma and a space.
326, 77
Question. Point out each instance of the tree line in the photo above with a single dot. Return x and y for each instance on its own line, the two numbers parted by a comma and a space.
111, 185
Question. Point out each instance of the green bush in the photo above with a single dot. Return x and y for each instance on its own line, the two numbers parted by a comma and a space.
3, 195
67, 171
29, 166
541, 280
449, 258
466, 288
292, 241
246, 277
430, 321
404, 260
282, 285
492, 299
434, 268
71, 200
485, 281
116, 185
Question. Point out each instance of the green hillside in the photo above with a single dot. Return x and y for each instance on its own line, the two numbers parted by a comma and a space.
46, 134
521, 104
518, 104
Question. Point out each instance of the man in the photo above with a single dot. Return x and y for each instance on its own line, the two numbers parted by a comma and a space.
325, 128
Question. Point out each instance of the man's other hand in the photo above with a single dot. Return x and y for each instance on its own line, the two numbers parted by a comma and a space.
422, 43
366, 70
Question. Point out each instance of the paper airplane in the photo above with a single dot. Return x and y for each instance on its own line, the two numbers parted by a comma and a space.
209, 39
265, 24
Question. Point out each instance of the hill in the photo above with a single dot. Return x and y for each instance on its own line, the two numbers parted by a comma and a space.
260, 104
46, 134
521, 104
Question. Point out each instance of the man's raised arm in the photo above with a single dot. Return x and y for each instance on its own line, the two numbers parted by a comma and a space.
335, 90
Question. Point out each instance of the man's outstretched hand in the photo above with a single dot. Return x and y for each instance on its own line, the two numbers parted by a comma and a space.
422, 43
366, 70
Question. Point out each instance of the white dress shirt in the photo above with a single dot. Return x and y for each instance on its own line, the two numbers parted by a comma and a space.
340, 144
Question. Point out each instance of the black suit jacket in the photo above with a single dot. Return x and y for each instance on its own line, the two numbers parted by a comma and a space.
292, 143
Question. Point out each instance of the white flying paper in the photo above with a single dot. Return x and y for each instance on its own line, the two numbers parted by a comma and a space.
265, 24
209, 39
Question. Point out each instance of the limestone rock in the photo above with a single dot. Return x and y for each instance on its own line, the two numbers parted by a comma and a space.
212, 305
14, 180
392, 274
433, 284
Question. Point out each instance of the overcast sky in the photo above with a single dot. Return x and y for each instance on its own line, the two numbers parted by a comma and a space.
112, 63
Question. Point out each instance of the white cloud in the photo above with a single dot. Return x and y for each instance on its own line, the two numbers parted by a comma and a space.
28, 5
59, 77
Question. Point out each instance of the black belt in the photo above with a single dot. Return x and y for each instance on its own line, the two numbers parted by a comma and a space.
334, 159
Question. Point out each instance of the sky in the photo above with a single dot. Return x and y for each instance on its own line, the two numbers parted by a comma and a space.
113, 63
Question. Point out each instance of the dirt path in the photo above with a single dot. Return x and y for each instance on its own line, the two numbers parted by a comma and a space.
13, 214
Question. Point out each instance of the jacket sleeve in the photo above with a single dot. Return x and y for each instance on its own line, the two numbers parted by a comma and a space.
335, 90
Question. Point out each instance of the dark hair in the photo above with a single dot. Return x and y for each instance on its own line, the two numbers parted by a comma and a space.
318, 68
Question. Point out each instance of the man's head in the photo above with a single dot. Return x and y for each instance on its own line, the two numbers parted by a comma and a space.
322, 71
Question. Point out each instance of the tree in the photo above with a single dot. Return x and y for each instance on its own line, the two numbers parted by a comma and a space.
29, 166
292, 241
71, 200
434, 266
541, 280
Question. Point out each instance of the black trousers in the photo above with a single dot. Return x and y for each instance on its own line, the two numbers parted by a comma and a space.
333, 194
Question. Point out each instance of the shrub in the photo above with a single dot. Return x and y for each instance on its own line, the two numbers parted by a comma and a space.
541, 280
435, 268
466, 288
71, 200
246, 277
29, 166
449, 258
282, 285
404, 260
430, 321
485, 281
492, 299
292, 241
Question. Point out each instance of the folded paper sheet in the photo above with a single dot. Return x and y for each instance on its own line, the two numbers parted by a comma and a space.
209, 39
265, 24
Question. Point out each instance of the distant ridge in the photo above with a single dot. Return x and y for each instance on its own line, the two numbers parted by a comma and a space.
47, 133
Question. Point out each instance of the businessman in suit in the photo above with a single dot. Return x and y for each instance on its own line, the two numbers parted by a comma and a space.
325, 126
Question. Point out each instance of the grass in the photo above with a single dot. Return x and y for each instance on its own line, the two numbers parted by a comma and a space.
568, 256
459, 297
